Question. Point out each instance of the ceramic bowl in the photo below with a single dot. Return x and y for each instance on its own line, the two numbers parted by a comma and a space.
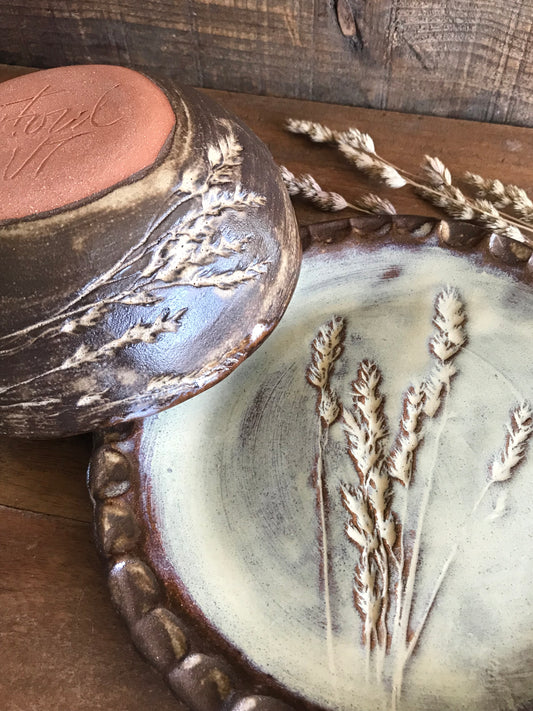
147, 246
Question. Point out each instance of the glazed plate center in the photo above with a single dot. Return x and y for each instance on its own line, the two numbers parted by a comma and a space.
351, 508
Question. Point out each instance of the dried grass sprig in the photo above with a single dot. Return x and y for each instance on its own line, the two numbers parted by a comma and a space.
372, 165
425, 399
401, 459
436, 185
436, 172
362, 517
138, 333
356, 140
502, 195
501, 469
372, 203
479, 211
356, 146
437, 382
443, 194
326, 347
91, 317
306, 187
449, 337
520, 202
317, 132
449, 320
372, 526
368, 404
224, 157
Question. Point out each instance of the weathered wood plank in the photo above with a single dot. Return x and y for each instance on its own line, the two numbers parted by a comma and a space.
62, 645
459, 59
46, 477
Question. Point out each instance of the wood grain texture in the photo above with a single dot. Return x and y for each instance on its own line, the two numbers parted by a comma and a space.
458, 58
53, 480
91, 659
61, 644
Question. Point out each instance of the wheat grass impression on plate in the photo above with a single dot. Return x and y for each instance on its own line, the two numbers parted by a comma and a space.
377, 500
326, 348
435, 185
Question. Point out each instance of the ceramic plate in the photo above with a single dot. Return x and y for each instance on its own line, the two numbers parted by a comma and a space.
345, 522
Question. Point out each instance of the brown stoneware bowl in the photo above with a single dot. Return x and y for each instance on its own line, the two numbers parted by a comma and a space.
147, 245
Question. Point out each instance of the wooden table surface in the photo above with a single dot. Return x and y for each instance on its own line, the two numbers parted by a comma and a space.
62, 646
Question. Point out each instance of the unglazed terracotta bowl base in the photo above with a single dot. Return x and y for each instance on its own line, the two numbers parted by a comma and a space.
350, 511
71, 132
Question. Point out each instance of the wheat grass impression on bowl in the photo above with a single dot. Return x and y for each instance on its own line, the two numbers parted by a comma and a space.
192, 253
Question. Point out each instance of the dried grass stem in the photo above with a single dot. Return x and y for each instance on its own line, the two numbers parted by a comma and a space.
436, 186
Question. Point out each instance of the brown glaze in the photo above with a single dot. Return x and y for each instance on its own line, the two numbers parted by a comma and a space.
512, 257
141, 296
71, 132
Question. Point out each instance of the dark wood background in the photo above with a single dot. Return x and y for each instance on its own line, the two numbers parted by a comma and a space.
455, 58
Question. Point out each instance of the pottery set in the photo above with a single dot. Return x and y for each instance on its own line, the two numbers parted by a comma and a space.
343, 522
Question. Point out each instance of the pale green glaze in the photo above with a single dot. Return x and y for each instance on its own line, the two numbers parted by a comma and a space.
234, 501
